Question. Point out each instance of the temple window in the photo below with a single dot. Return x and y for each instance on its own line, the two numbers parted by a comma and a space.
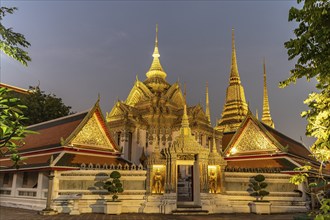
6, 180
30, 180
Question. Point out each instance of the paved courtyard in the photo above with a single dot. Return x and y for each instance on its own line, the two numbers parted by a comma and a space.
20, 214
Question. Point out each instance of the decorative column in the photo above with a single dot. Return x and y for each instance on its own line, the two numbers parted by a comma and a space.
222, 179
14, 185
217, 164
149, 176
48, 210
39, 185
124, 140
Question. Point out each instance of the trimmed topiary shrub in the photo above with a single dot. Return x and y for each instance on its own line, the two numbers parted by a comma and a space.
114, 186
258, 187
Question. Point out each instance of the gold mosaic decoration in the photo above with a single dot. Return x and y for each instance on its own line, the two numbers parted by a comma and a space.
92, 134
252, 139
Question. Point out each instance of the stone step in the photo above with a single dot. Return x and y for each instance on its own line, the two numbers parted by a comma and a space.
188, 207
190, 210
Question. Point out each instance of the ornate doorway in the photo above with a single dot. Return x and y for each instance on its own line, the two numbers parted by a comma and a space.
185, 183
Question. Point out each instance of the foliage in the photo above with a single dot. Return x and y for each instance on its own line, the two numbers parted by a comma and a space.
311, 47
258, 187
318, 117
42, 107
114, 186
11, 43
12, 131
316, 188
301, 176
12, 117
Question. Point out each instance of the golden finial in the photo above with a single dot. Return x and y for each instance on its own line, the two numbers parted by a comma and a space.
257, 115
156, 69
207, 104
185, 93
214, 146
234, 68
185, 129
185, 120
156, 52
266, 117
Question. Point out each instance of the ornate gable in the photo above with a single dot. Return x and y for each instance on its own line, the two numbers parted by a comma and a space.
198, 112
139, 92
252, 139
175, 95
92, 134
116, 111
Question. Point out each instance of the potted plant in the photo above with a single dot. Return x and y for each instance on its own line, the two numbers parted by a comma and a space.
258, 190
114, 186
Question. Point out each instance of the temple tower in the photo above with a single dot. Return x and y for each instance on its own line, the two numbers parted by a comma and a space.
266, 117
235, 108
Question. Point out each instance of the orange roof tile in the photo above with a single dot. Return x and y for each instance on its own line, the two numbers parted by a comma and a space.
50, 133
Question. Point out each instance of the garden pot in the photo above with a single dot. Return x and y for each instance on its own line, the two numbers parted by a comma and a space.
260, 207
112, 207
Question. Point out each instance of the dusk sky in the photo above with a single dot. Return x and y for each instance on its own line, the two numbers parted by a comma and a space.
82, 48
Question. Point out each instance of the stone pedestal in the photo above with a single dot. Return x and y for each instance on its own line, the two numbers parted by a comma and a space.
112, 208
260, 207
75, 207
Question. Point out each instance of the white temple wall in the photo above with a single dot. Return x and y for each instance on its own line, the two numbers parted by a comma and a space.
29, 192
282, 195
85, 188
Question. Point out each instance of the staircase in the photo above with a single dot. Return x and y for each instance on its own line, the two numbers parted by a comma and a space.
190, 210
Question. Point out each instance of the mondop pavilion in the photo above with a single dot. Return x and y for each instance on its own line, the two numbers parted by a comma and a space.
170, 157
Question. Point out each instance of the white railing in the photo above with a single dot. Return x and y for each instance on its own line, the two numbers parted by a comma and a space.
26, 192
5, 191
105, 166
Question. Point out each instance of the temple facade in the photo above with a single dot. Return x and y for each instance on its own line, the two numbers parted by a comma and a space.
171, 159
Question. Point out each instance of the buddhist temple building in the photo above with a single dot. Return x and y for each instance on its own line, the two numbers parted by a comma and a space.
172, 160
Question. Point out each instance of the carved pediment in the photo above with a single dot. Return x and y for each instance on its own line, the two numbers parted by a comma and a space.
92, 134
138, 93
198, 112
251, 140
175, 95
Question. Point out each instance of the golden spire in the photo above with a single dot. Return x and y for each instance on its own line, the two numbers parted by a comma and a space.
266, 117
207, 104
235, 108
185, 93
156, 69
185, 129
214, 146
234, 68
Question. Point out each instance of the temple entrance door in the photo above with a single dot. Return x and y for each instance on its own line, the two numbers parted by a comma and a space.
185, 183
